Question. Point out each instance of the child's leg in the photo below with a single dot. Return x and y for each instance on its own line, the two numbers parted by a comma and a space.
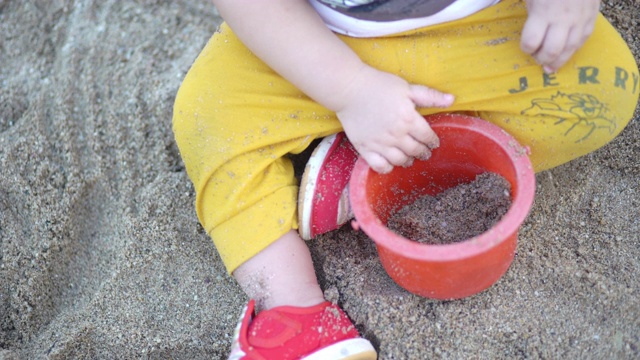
281, 274
236, 122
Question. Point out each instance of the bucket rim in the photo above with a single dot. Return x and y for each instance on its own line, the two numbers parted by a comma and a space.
503, 230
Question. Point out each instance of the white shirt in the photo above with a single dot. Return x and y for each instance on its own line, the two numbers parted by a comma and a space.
350, 26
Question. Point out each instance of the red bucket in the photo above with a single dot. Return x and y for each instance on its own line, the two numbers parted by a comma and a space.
468, 146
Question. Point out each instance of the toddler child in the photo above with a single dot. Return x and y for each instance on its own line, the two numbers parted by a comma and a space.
362, 74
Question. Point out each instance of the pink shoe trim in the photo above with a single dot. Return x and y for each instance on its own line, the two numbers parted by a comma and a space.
240, 333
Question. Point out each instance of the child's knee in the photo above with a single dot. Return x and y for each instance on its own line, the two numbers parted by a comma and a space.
563, 127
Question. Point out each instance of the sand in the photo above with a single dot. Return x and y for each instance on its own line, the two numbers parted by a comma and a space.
102, 256
455, 214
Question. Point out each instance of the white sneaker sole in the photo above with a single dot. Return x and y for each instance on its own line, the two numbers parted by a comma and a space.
308, 185
352, 349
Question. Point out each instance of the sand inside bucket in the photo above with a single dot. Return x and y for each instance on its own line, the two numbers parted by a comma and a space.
456, 214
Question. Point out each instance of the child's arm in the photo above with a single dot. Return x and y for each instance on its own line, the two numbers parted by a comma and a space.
376, 109
555, 29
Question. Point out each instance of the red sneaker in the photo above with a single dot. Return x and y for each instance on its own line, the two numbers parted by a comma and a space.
323, 201
320, 332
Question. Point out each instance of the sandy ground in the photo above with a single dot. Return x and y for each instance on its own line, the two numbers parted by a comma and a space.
102, 255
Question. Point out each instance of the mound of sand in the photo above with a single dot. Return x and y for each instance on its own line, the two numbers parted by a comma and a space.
101, 254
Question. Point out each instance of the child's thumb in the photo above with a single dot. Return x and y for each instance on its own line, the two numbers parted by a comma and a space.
424, 96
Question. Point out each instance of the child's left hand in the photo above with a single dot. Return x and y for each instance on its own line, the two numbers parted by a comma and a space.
555, 29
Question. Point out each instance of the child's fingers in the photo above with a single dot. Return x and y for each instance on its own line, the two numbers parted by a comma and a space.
377, 163
414, 148
553, 46
533, 34
574, 41
383, 158
555, 30
424, 96
396, 156
423, 134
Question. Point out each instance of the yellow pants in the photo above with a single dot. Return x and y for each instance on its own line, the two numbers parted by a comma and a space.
235, 120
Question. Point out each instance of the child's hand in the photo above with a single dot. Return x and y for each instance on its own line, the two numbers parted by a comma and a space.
381, 121
555, 29
376, 109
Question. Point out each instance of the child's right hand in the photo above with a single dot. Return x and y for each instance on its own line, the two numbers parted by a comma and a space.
380, 119
377, 109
